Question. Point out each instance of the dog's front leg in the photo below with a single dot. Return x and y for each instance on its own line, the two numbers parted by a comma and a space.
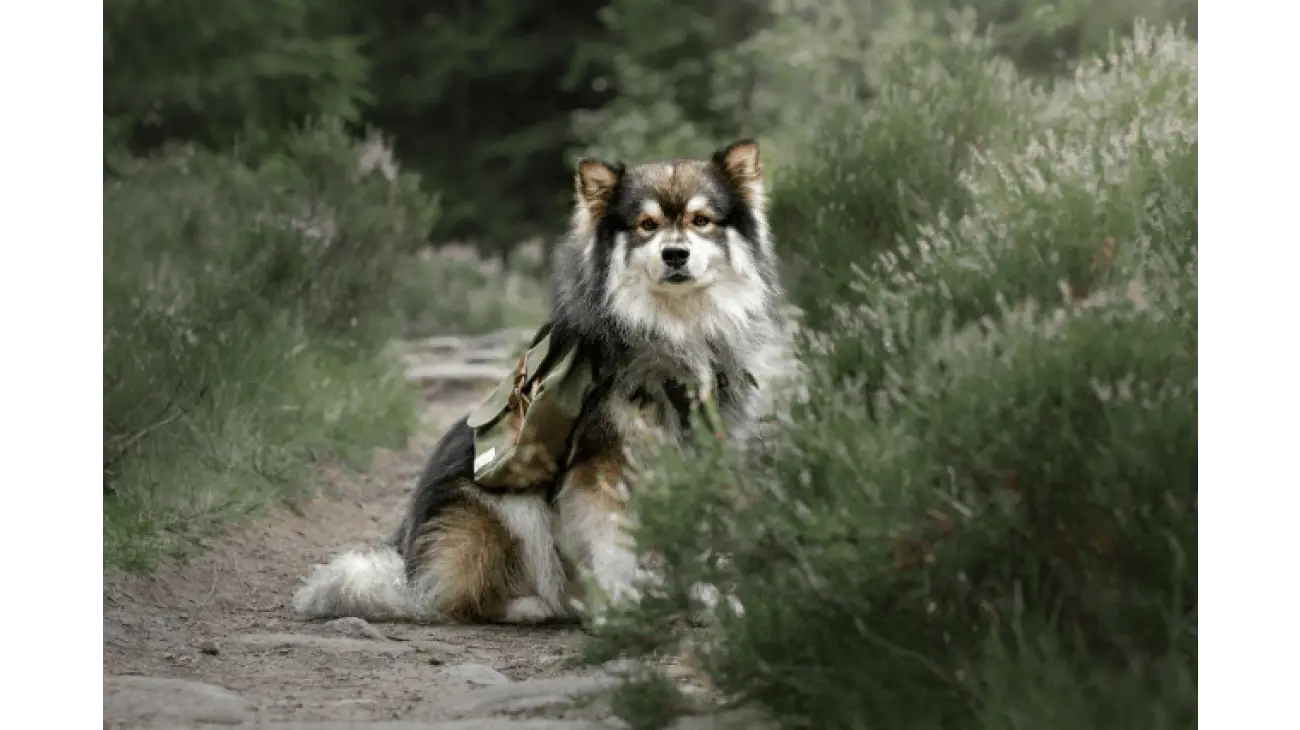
592, 522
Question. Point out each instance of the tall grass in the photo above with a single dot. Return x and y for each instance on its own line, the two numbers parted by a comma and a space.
246, 313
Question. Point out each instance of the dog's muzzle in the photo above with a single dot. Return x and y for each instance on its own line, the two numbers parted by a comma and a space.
675, 260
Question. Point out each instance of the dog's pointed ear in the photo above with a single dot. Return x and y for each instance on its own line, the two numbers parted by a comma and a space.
594, 184
741, 167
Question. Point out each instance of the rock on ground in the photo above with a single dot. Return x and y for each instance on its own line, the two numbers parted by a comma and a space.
146, 701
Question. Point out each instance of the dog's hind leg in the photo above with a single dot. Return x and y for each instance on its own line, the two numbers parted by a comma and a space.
470, 565
461, 566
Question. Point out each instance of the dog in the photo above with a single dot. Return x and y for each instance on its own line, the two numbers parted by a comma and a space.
666, 294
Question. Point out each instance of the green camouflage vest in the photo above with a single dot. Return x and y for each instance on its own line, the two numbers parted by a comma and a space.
522, 427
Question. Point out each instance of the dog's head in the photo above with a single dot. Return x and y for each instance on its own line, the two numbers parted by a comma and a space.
681, 247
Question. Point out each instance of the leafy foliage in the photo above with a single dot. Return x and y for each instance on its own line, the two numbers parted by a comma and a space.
245, 314
454, 291
1050, 36
982, 512
938, 100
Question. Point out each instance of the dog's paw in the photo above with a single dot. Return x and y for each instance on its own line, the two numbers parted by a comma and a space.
599, 601
528, 610
592, 615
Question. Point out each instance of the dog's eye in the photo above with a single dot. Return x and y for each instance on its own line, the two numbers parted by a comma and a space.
701, 221
649, 225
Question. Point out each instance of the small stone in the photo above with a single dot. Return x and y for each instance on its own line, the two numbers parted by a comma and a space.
355, 628
471, 674
742, 718
621, 667
210, 647
441, 650
531, 693
331, 644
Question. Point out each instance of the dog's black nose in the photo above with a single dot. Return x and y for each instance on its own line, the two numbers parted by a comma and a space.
675, 258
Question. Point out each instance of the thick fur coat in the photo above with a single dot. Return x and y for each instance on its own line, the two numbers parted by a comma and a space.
667, 286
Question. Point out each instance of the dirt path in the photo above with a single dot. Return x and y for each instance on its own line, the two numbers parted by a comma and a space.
211, 642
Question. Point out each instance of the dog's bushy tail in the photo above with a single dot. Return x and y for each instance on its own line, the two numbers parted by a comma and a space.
368, 584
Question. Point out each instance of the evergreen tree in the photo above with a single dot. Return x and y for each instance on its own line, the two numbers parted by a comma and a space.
477, 97
209, 73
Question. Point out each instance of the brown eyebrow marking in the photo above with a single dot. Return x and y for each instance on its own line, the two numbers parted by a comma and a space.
700, 205
650, 211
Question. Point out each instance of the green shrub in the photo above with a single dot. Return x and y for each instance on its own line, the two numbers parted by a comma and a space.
773, 69
867, 175
456, 291
982, 514
1050, 36
246, 311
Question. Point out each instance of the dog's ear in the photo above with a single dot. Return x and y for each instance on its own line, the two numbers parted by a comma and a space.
742, 168
594, 184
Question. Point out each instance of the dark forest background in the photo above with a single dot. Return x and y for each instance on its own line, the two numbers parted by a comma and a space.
488, 101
